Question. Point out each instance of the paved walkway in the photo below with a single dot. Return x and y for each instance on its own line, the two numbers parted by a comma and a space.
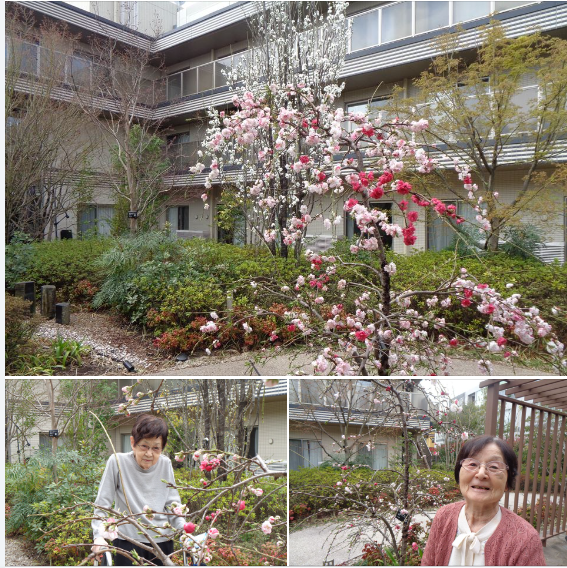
313, 545
239, 365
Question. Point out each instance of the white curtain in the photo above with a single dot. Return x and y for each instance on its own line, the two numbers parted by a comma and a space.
105, 213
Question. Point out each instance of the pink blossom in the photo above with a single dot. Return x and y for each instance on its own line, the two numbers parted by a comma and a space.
266, 527
213, 533
189, 528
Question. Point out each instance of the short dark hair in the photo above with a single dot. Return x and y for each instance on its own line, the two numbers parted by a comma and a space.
472, 447
150, 426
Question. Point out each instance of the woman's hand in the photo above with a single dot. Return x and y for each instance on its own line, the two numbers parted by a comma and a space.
98, 544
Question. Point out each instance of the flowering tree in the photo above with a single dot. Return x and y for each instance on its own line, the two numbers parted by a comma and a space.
373, 327
293, 43
220, 513
386, 509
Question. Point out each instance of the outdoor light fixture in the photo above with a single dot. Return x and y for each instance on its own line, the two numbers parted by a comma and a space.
129, 367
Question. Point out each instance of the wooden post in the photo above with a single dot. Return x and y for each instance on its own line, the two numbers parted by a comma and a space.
48, 301
491, 409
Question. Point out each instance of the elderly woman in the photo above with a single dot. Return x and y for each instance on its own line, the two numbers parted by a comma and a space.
478, 531
142, 472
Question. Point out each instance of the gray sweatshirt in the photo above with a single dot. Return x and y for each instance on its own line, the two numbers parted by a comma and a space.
143, 487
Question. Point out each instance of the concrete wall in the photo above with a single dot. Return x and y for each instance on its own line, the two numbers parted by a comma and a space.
272, 430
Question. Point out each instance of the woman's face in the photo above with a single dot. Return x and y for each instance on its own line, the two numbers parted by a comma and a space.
481, 488
147, 451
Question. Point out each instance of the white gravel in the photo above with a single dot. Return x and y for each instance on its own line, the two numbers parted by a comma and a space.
18, 553
51, 330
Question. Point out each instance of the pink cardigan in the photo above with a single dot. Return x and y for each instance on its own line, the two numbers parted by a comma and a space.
514, 542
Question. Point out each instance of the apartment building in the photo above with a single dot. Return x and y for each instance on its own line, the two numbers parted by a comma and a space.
390, 46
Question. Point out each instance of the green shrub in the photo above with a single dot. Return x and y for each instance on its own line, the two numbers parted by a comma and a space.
19, 328
65, 263
522, 241
426, 270
37, 503
313, 490
18, 259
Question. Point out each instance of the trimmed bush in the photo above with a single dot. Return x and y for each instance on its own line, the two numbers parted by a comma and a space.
66, 263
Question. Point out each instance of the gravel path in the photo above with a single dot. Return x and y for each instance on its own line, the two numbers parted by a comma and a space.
19, 552
111, 341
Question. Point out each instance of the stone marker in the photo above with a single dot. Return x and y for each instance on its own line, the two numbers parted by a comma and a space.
63, 313
26, 291
48, 301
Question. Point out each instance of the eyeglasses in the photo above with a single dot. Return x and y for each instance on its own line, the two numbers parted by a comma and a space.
146, 449
491, 467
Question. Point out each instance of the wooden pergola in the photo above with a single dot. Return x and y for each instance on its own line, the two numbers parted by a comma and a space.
544, 402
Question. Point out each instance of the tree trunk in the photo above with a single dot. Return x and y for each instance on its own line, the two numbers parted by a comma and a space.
206, 419
492, 241
221, 422
51, 397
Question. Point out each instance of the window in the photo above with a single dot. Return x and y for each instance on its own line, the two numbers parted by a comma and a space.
126, 446
129, 14
206, 77
466, 10
304, 453
373, 107
364, 30
189, 82
376, 458
178, 217
441, 230
396, 22
352, 229
399, 20
525, 99
508, 5
25, 55
174, 87
96, 219
431, 16
222, 66
78, 71
181, 151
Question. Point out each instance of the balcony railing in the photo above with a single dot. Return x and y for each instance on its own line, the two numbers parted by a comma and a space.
400, 20
372, 28
202, 77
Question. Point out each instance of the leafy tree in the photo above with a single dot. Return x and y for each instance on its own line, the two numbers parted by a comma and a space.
142, 156
478, 110
126, 83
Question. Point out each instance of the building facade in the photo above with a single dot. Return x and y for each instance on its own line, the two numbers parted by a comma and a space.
390, 45
322, 425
